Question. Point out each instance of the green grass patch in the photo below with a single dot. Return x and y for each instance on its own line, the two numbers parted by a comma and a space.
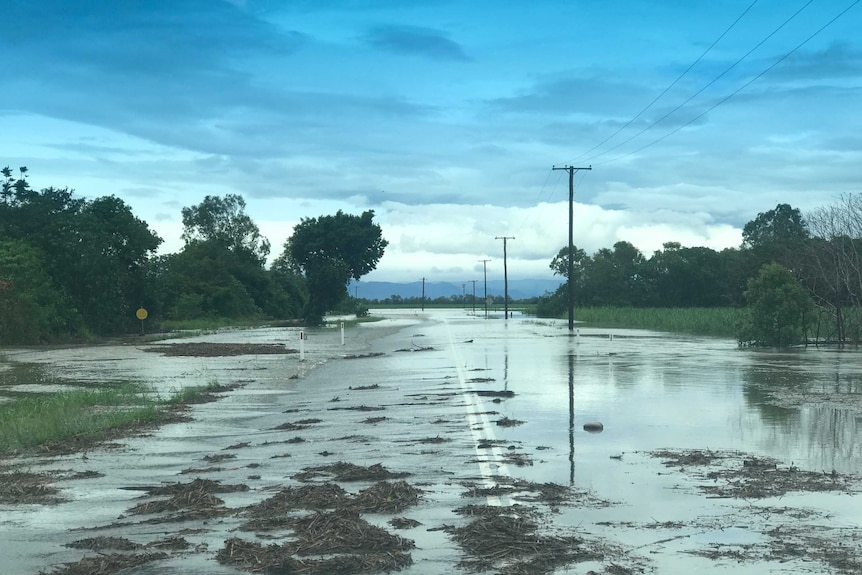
715, 321
83, 415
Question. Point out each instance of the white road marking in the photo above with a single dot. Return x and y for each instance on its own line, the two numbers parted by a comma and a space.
480, 427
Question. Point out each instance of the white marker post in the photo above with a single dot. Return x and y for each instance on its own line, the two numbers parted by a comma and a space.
301, 346
342, 333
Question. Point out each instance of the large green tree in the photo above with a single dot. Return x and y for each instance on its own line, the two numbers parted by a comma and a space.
224, 221
330, 251
32, 308
93, 251
779, 309
779, 235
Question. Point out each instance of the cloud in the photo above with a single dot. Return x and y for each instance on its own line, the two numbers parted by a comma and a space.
415, 40
588, 96
838, 60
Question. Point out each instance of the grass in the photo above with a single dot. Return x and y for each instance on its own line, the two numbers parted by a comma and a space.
38, 420
719, 321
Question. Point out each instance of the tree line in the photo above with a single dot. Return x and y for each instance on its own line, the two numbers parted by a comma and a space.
71, 267
800, 277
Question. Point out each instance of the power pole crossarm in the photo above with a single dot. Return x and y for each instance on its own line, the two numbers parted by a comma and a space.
571, 293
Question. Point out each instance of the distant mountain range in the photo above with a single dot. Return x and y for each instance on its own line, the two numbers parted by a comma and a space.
518, 289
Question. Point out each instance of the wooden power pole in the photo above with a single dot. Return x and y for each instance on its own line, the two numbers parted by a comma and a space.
571, 293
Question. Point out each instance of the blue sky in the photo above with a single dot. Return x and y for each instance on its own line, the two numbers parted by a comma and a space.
445, 117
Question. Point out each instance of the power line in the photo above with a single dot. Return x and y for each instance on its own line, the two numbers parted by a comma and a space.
738, 90
704, 88
672, 84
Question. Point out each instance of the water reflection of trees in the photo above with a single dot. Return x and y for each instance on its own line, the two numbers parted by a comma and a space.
823, 433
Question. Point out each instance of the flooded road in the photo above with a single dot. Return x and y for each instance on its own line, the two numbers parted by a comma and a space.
463, 404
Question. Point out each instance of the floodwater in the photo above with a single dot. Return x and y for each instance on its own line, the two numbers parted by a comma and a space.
650, 391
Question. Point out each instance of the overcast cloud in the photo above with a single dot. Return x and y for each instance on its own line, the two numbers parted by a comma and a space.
443, 120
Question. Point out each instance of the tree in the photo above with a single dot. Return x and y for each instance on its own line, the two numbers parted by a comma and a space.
615, 277
331, 250
224, 221
778, 235
686, 277
113, 249
779, 309
32, 308
560, 264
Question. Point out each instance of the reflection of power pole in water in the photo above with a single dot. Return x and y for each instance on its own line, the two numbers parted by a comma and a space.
571, 419
571, 293
474, 296
505, 368
485, 271
505, 275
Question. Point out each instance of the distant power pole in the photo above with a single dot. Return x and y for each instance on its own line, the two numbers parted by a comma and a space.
485, 270
423, 294
571, 292
505, 275
474, 296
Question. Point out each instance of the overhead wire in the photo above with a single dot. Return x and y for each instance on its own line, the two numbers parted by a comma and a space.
706, 86
741, 88
672, 84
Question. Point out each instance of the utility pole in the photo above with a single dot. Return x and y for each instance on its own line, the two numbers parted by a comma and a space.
485, 269
423, 294
571, 292
505, 276
474, 296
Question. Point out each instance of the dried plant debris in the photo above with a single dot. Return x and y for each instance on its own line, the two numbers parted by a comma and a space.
403, 523
296, 425
179, 502
324, 496
277, 559
415, 347
749, 477
276, 512
174, 543
343, 471
426, 440
506, 422
240, 445
551, 494
838, 550
106, 564
364, 387
507, 540
490, 393
517, 459
386, 497
359, 408
204, 349
21, 487
343, 531
218, 457
688, 458
364, 355
105, 543
188, 502
372, 420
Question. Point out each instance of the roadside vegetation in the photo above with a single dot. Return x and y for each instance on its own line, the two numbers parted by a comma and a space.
86, 416
716, 321
75, 269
